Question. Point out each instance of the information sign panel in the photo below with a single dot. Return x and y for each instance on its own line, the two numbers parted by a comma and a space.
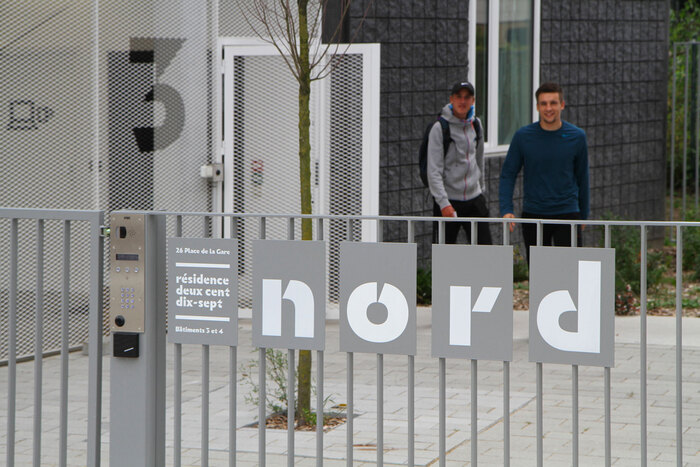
202, 291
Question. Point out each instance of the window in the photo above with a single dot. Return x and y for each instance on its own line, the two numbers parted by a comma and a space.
504, 48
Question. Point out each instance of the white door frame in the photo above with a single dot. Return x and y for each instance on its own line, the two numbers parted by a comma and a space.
231, 47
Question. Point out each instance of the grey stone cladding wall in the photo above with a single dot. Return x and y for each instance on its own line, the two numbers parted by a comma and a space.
610, 56
424, 48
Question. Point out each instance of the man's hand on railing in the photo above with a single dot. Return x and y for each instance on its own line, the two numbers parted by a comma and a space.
510, 216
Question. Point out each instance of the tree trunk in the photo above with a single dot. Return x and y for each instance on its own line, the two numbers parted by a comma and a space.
304, 367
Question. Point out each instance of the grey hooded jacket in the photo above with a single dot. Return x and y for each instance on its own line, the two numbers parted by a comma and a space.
459, 174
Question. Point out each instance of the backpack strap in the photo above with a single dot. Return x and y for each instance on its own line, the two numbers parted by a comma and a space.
476, 125
446, 136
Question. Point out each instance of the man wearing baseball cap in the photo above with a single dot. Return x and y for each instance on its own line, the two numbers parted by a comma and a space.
456, 176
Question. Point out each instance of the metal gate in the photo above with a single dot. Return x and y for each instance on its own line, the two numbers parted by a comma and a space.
51, 396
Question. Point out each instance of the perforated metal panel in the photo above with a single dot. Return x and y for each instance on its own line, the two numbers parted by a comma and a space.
105, 105
48, 148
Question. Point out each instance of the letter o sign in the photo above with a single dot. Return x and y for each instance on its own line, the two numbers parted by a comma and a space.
384, 274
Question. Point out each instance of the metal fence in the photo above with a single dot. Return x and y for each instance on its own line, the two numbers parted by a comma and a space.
487, 381
685, 127
46, 320
411, 223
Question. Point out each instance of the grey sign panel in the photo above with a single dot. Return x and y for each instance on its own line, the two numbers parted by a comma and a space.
289, 294
202, 291
472, 314
378, 298
572, 312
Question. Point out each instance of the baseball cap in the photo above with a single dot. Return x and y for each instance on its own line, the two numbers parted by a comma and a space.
463, 85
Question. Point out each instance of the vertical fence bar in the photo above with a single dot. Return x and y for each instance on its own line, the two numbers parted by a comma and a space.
290, 404
319, 379
474, 381
538, 376
574, 415
232, 405
350, 384
643, 345
290, 379
606, 389
12, 347
474, 417
506, 382
65, 337
673, 134
540, 446
697, 128
177, 384
290, 228
205, 405
262, 390
442, 383
380, 409
38, 340
679, 345
411, 409
96, 333
411, 237
380, 381
350, 409
233, 380
685, 126
442, 411
319, 408
574, 384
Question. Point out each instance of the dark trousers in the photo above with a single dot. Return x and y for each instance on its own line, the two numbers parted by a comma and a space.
472, 208
552, 234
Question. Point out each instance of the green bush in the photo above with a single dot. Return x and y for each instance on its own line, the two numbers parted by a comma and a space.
520, 271
691, 247
424, 287
626, 241
276, 365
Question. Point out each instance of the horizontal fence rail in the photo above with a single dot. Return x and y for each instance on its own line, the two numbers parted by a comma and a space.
201, 374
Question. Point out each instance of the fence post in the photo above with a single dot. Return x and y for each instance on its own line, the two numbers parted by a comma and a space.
137, 384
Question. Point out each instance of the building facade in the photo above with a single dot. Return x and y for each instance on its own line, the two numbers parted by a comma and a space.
611, 57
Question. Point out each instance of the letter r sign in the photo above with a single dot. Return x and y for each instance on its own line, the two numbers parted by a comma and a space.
472, 315
572, 315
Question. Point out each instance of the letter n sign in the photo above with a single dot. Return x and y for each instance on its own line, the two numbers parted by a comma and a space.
378, 298
289, 294
572, 314
472, 302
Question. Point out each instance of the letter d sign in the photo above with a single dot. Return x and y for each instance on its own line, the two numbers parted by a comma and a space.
572, 306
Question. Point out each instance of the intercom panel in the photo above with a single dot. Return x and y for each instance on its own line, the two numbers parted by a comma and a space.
127, 272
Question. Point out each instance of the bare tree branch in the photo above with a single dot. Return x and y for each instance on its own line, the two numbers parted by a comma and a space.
337, 58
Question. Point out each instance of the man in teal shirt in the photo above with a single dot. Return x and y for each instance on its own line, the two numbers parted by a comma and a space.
554, 157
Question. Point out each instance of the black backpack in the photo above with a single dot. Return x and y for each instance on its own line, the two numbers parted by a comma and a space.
446, 141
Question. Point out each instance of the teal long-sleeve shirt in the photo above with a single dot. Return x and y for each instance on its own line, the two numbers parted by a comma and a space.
555, 173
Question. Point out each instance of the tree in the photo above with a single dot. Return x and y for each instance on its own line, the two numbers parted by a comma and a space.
294, 28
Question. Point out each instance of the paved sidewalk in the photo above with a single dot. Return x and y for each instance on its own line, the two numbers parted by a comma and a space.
557, 405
